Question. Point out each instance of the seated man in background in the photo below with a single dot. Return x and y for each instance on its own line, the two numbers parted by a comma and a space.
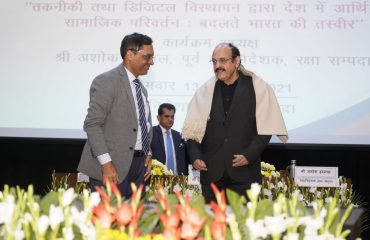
167, 145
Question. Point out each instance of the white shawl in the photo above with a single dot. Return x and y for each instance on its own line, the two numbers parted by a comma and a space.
268, 115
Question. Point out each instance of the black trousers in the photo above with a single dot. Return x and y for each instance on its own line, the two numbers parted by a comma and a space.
135, 175
224, 183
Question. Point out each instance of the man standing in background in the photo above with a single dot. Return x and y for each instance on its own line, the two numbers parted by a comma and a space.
118, 121
229, 123
167, 145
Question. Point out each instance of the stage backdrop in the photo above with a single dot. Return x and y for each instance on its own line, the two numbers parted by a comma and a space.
314, 54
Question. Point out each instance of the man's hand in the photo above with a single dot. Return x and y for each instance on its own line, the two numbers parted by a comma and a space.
109, 173
240, 160
148, 166
200, 165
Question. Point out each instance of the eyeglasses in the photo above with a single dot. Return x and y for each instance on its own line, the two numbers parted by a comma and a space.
221, 60
147, 57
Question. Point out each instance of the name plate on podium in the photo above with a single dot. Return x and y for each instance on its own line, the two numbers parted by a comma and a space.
194, 176
307, 176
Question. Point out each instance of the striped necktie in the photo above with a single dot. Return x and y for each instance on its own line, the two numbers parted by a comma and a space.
142, 117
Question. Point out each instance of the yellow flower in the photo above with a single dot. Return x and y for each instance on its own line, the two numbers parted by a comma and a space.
110, 234
157, 171
266, 174
158, 237
149, 237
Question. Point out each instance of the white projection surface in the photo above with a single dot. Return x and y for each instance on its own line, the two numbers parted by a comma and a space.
315, 55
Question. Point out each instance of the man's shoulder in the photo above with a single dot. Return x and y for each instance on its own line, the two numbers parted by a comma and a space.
176, 133
112, 73
258, 83
245, 77
156, 128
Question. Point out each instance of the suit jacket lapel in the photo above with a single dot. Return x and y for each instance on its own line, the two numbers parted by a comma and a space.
218, 109
176, 142
127, 89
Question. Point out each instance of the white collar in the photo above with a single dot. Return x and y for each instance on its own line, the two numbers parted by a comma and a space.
164, 130
130, 76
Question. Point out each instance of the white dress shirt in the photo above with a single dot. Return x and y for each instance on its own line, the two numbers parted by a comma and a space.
104, 158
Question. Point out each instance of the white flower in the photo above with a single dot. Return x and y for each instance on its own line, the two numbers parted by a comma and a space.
6, 210
267, 192
18, 233
300, 197
33, 205
177, 188
275, 225
94, 199
56, 216
255, 189
189, 192
27, 217
256, 229
291, 236
79, 217
82, 221
249, 205
280, 184
312, 224
68, 233
323, 213
275, 174
312, 189
43, 224
68, 197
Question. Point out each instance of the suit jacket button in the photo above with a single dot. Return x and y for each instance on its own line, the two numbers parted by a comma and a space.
131, 148
134, 130
226, 140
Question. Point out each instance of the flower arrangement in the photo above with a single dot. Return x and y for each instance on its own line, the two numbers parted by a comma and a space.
276, 210
159, 169
285, 218
268, 170
104, 214
161, 176
274, 185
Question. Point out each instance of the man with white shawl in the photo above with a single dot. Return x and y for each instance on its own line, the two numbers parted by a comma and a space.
229, 123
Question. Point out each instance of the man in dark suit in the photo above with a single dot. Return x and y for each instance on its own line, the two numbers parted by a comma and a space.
118, 122
225, 132
165, 140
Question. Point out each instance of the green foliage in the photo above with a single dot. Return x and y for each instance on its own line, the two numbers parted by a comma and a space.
148, 223
64, 182
48, 200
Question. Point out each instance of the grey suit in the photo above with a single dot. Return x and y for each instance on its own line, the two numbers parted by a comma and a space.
111, 124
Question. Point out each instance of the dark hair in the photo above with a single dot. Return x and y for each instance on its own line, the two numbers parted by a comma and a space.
234, 50
134, 41
169, 106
